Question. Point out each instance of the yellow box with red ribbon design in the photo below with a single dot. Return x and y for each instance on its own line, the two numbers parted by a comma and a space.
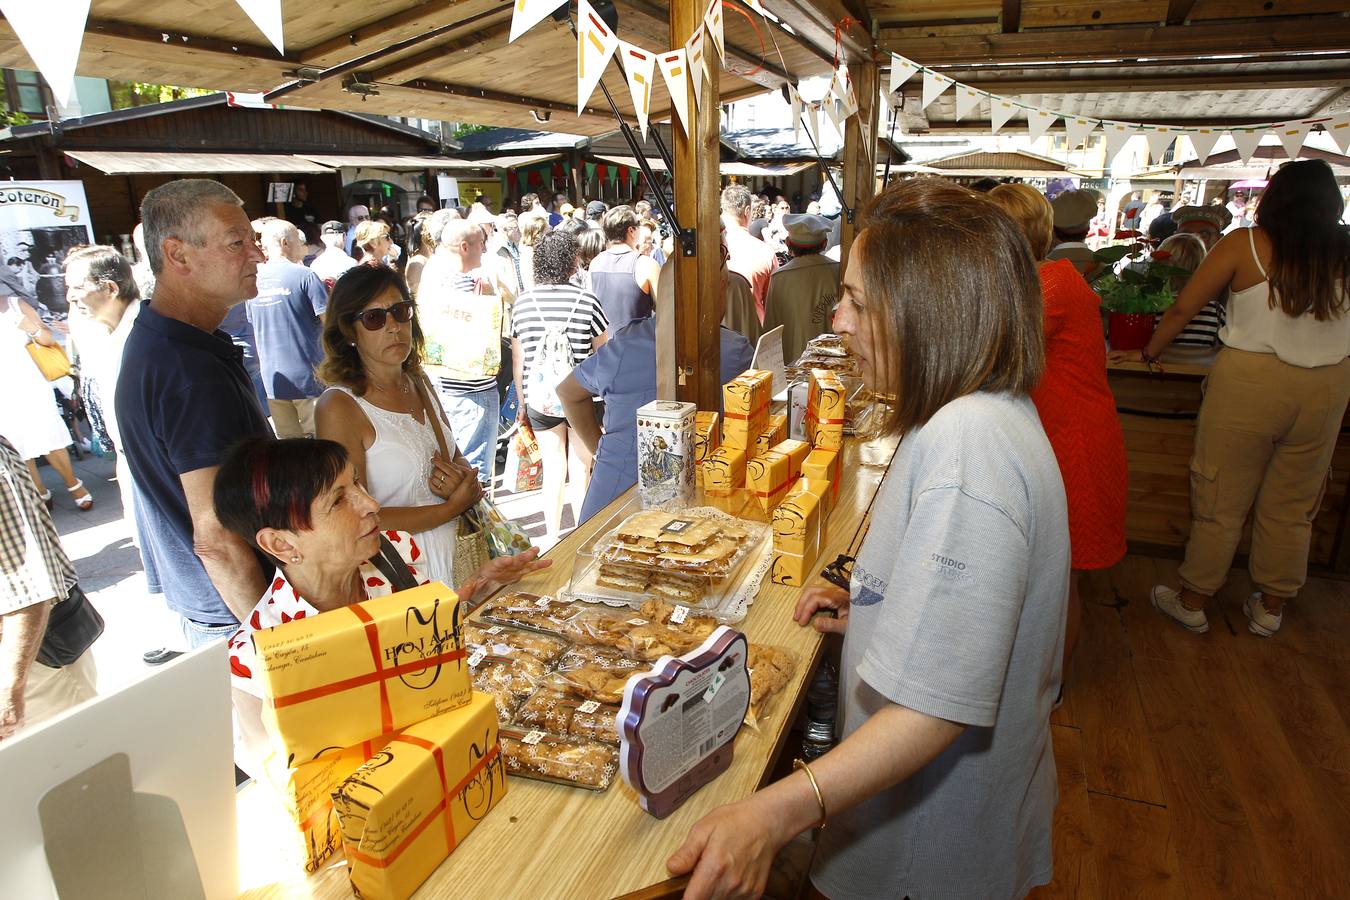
825, 465
796, 452
724, 472
354, 673
745, 408
775, 432
792, 569
797, 522
823, 494
767, 478
825, 410
707, 438
406, 809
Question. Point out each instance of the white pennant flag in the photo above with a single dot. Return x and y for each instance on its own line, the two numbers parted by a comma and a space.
831, 108
675, 71
52, 35
1077, 130
693, 54
1292, 135
1247, 140
1339, 129
967, 99
901, 71
933, 86
1039, 122
1203, 141
842, 88
712, 20
1000, 111
813, 122
266, 14
796, 100
596, 45
1159, 139
528, 13
1117, 135
639, 67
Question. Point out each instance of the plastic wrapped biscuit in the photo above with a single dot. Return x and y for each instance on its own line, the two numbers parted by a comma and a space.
593, 673
561, 760
771, 668
530, 611
564, 714
509, 679
503, 640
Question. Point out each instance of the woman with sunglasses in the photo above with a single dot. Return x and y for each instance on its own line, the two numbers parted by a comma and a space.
381, 409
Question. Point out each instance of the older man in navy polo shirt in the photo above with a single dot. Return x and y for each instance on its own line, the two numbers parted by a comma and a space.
183, 398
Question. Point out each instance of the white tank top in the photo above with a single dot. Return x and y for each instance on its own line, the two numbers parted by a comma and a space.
398, 464
1301, 341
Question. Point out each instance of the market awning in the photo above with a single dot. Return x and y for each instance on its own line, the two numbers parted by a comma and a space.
512, 162
123, 163
632, 163
395, 163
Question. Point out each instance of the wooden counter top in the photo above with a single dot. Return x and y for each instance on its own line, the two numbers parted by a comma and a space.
545, 840
1167, 368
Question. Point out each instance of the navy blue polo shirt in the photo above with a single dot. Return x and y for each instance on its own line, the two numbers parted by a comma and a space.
183, 399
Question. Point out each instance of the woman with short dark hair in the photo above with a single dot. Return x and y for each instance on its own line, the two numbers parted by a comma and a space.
383, 411
1274, 399
300, 501
555, 325
944, 782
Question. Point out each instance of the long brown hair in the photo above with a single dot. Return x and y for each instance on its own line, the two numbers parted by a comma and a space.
354, 289
954, 296
1310, 259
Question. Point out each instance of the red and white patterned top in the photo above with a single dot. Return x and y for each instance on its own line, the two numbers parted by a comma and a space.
281, 603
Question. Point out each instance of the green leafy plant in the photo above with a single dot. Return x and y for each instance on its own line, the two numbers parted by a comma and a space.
1145, 285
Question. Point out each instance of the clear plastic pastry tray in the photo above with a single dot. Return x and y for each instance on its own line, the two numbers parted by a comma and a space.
724, 596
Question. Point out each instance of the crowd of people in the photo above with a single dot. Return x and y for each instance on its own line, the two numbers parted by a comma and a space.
300, 427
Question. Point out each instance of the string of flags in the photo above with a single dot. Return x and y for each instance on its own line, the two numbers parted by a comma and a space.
1078, 129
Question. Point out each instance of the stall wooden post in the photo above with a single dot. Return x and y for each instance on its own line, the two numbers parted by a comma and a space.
697, 302
860, 150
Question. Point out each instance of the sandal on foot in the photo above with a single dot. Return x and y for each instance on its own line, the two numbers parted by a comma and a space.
46, 498
84, 503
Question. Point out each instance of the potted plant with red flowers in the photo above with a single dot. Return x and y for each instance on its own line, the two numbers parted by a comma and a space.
1136, 288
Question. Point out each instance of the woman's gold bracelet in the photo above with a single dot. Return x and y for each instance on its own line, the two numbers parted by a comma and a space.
801, 764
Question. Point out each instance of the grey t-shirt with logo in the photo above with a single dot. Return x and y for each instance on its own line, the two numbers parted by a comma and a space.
958, 604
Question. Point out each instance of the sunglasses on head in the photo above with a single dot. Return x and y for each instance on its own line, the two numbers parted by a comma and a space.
374, 319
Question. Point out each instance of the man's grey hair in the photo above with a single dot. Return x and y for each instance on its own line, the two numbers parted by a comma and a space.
277, 231
436, 222
736, 200
174, 210
456, 231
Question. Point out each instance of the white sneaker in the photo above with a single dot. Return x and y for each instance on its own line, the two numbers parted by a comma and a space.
1260, 620
1168, 602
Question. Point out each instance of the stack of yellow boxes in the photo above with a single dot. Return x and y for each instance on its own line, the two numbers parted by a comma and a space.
707, 438
745, 415
825, 410
367, 682
798, 525
774, 433
768, 476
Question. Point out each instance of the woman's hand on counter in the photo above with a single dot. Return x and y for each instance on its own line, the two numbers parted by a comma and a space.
500, 572
729, 852
815, 606
1120, 356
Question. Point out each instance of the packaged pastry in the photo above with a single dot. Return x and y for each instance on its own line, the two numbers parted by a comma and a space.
665, 434
767, 478
724, 472
561, 760
503, 640
774, 432
593, 673
530, 611
796, 523
824, 465
707, 435
562, 713
676, 555
792, 569
771, 668
796, 452
508, 679
745, 408
668, 630
600, 626
825, 410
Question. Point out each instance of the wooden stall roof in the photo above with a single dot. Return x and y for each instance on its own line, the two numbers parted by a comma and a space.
1228, 165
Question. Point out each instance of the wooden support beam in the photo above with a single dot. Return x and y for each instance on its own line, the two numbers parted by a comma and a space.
769, 75
860, 150
696, 317
439, 52
1131, 84
422, 19
1178, 11
1307, 33
1337, 102
1018, 126
477, 93
814, 22
1011, 20
185, 40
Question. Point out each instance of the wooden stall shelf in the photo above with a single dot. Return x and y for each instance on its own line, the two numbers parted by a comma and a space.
545, 840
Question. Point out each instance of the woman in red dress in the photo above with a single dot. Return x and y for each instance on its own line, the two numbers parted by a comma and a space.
1077, 408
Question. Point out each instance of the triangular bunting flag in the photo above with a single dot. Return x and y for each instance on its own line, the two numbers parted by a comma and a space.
528, 13
842, 88
901, 71
813, 122
1203, 141
1292, 135
266, 14
712, 20
1159, 139
1339, 129
1117, 134
675, 70
693, 54
967, 99
595, 47
795, 99
639, 66
52, 34
1247, 140
1000, 111
1039, 122
1077, 129
933, 86
831, 108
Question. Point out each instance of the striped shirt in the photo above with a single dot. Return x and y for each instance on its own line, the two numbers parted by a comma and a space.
548, 306
33, 566
1203, 330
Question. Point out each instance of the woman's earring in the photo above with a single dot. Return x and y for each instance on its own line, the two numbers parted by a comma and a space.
295, 559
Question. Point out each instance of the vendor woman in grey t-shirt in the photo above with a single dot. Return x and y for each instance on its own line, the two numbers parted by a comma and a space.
944, 782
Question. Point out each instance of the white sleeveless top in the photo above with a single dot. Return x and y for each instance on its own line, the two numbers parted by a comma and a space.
398, 468
1301, 341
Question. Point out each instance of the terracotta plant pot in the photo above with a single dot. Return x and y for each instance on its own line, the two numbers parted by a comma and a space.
1130, 331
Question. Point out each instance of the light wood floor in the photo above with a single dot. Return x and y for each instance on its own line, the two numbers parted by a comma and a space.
1196, 766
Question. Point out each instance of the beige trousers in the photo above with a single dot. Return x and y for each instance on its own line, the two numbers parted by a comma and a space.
292, 418
1264, 438
51, 691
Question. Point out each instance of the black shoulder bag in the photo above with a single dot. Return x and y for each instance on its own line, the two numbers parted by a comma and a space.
392, 566
72, 627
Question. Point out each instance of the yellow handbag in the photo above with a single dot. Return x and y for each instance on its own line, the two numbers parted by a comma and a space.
51, 361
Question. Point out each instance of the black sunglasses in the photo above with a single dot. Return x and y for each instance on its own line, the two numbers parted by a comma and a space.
374, 319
